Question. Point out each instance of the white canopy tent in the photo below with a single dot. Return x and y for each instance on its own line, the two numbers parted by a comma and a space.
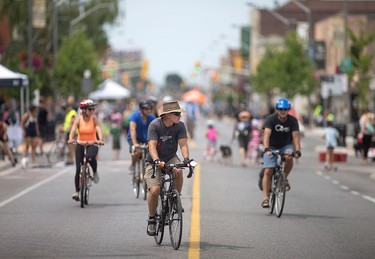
110, 90
12, 79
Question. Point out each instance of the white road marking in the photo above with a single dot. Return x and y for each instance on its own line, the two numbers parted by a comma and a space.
368, 198
33, 187
344, 187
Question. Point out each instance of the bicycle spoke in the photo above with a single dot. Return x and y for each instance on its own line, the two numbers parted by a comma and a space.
159, 222
175, 219
280, 194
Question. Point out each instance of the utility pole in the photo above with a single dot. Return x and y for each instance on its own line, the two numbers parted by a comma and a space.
87, 13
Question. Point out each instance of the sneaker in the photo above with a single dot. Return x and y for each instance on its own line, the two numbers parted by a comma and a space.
75, 196
151, 226
96, 177
25, 162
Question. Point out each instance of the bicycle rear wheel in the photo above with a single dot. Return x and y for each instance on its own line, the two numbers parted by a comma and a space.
175, 219
55, 152
280, 194
83, 186
136, 179
160, 220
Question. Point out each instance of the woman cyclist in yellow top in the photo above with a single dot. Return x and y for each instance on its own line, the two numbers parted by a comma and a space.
89, 130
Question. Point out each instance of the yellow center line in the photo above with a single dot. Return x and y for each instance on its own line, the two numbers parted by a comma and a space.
194, 246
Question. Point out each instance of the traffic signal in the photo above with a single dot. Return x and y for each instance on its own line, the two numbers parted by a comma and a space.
238, 62
144, 69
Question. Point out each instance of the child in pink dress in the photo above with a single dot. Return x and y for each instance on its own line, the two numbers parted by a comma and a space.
211, 137
253, 148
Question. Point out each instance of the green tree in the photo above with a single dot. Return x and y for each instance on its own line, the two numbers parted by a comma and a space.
173, 82
361, 60
288, 71
76, 54
16, 12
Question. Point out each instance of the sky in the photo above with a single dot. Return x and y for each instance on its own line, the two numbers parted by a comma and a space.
174, 34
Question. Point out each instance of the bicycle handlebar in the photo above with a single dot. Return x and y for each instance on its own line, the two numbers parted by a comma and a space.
87, 143
191, 165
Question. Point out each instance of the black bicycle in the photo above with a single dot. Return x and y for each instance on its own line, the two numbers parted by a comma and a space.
138, 180
169, 210
278, 185
85, 177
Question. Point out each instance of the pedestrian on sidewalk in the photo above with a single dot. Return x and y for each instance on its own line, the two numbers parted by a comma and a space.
4, 141
331, 135
30, 129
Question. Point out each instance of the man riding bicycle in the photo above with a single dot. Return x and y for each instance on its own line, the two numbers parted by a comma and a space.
165, 134
138, 126
281, 132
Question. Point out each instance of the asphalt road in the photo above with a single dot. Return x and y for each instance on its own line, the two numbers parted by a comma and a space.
327, 215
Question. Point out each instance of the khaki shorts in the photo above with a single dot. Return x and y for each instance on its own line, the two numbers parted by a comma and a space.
157, 180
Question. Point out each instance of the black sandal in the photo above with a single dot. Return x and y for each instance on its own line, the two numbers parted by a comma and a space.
265, 203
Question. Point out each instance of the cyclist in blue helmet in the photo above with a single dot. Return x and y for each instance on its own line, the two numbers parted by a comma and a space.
281, 132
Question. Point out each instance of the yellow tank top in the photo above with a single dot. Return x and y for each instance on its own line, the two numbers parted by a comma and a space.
86, 131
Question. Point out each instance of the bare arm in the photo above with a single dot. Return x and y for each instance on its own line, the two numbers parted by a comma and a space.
152, 149
296, 141
183, 143
133, 133
266, 137
99, 132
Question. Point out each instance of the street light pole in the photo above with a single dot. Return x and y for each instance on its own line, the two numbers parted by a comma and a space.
87, 13
309, 20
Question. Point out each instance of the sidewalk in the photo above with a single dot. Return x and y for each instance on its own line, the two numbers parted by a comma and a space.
352, 164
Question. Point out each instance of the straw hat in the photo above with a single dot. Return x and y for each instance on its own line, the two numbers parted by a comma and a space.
169, 107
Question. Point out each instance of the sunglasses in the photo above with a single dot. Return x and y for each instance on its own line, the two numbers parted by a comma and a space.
91, 109
283, 109
176, 113
147, 109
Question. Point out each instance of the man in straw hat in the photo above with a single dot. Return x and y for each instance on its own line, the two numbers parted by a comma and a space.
165, 134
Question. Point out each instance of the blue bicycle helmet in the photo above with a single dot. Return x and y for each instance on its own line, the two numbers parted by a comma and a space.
283, 103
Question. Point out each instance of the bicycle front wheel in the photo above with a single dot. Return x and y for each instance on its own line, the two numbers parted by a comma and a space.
87, 189
144, 185
160, 220
136, 179
280, 194
55, 152
175, 219
272, 197
83, 186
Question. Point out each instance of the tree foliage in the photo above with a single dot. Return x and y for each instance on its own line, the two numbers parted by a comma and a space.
288, 71
77, 53
361, 60
15, 54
